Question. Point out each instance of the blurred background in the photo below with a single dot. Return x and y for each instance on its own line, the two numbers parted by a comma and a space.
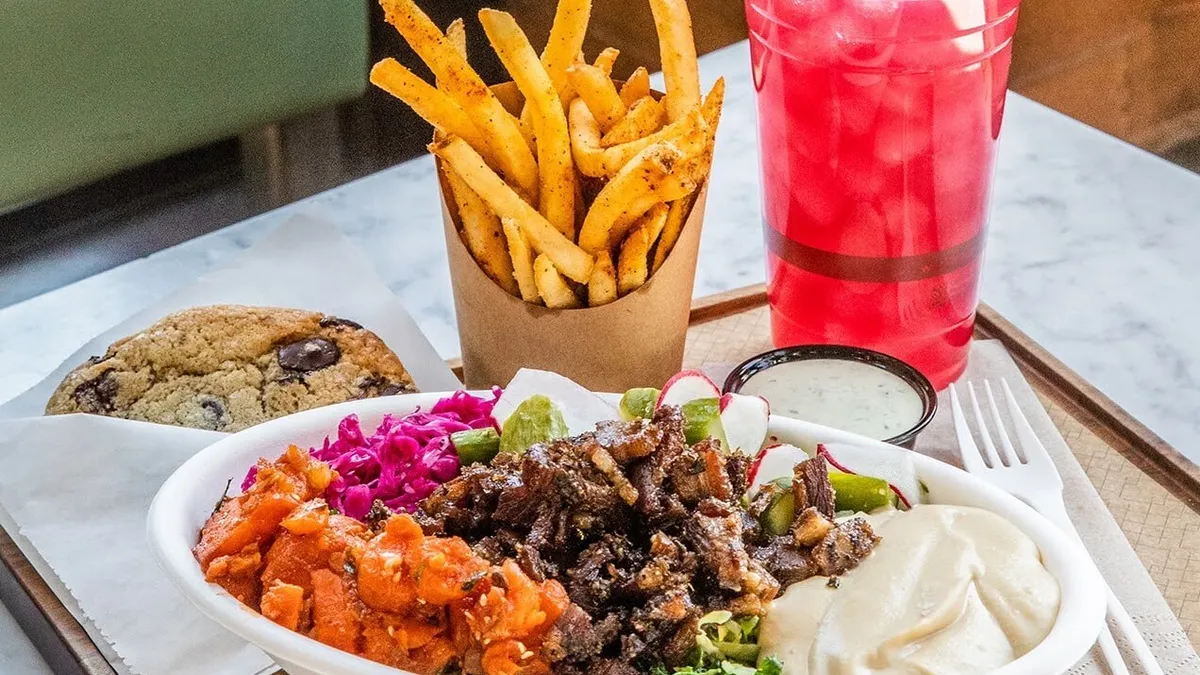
127, 126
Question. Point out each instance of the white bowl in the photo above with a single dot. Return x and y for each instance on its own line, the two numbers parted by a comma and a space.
186, 500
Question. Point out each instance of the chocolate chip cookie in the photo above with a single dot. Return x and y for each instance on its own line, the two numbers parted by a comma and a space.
228, 367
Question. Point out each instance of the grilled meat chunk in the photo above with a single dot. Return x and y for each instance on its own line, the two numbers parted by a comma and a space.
715, 533
787, 563
812, 488
576, 638
844, 547
671, 566
699, 473
811, 527
627, 441
608, 466
464, 506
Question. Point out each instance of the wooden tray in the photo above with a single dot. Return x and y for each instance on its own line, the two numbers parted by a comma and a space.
1143, 480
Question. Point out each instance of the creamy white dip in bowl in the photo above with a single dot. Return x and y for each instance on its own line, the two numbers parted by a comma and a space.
851, 388
1082, 606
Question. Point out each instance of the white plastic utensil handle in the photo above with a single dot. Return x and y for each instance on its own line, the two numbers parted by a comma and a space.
1053, 508
1050, 504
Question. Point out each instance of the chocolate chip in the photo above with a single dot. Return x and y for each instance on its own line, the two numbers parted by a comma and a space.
338, 322
309, 355
214, 412
93, 360
370, 386
96, 396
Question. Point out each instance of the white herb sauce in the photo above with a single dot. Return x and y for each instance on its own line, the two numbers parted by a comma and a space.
948, 589
845, 395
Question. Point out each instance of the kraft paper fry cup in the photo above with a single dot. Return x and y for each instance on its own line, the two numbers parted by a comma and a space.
637, 340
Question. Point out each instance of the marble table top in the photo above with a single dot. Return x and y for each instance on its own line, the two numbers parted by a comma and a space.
1091, 252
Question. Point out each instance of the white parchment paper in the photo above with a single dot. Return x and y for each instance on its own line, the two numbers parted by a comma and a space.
77, 487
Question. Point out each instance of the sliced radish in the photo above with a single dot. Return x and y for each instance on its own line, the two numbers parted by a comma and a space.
687, 385
893, 465
775, 461
745, 421
581, 408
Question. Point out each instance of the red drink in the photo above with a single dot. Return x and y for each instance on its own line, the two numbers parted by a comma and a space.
877, 124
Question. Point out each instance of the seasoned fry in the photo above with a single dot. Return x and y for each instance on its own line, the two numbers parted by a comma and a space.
555, 166
599, 92
673, 227
637, 86
552, 287
689, 134
682, 207
606, 59
571, 260
500, 129
633, 184
632, 264
456, 33
673, 187
645, 117
566, 41
677, 45
656, 219
522, 258
714, 102
602, 287
585, 140
431, 104
483, 234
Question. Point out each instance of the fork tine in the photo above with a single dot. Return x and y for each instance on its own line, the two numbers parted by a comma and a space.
1008, 452
971, 459
1035, 453
989, 448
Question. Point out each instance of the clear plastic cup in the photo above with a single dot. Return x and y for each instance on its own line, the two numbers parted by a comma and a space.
878, 122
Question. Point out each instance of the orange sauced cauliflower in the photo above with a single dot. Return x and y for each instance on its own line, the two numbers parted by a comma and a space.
394, 595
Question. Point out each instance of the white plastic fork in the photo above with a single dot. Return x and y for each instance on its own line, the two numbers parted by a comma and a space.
1030, 475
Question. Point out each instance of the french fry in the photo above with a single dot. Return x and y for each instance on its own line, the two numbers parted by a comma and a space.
527, 129
556, 170
566, 41
633, 184
672, 228
602, 287
500, 129
585, 140
606, 59
634, 259
553, 288
456, 33
599, 92
711, 110
571, 260
714, 102
483, 234
432, 105
656, 219
673, 187
637, 86
645, 117
689, 134
677, 45
522, 258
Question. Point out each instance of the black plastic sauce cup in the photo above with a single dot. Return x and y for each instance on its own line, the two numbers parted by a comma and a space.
911, 376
